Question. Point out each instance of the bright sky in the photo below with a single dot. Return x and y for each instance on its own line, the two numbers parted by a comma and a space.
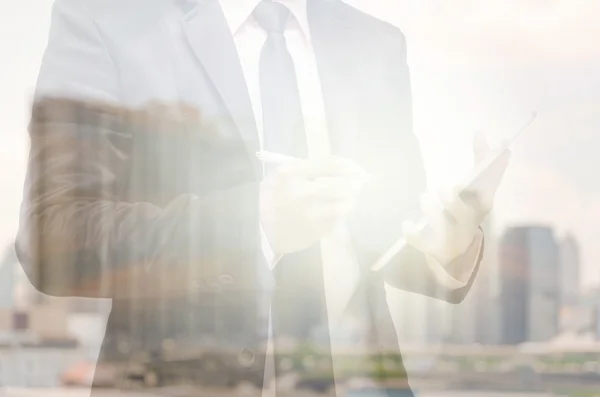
478, 64
485, 65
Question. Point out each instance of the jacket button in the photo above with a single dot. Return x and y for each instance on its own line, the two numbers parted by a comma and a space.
246, 357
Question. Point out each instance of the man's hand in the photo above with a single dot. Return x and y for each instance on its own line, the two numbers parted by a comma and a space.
304, 199
453, 220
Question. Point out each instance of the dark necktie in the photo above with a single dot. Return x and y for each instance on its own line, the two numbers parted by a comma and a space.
298, 303
283, 123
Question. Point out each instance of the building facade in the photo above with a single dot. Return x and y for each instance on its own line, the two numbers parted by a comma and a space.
475, 319
529, 285
37, 364
570, 270
8, 265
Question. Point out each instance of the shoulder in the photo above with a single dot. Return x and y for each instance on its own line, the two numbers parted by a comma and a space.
114, 16
368, 25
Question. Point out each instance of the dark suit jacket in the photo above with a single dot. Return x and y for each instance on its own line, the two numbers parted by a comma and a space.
158, 209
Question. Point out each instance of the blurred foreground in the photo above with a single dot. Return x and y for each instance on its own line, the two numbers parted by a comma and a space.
190, 392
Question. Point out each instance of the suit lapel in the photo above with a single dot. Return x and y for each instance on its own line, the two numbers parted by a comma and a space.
210, 39
332, 31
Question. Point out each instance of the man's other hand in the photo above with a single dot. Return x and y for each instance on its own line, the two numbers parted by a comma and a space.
302, 200
453, 214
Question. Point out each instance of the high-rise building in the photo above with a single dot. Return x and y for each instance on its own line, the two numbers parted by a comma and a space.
8, 264
529, 284
569, 271
474, 319
412, 314
571, 297
434, 322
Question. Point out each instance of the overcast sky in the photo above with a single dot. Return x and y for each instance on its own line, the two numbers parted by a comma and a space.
479, 64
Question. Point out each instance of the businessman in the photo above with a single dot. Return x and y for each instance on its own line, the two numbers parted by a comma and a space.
190, 215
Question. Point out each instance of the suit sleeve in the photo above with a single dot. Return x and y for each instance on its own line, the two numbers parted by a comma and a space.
80, 234
399, 199
409, 271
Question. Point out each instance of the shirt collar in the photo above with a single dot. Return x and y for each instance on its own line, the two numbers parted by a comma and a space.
237, 12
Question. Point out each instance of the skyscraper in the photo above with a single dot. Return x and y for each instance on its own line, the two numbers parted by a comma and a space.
569, 271
570, 297
474, 319
8, 264
529, 284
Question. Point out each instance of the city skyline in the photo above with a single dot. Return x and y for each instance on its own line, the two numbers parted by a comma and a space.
475, 66
477, 320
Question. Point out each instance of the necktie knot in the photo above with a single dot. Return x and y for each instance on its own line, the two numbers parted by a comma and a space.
271, 16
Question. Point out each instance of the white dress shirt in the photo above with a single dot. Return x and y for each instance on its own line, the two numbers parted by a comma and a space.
340, 267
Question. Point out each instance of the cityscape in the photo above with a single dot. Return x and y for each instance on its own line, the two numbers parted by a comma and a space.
536, 316
530, 326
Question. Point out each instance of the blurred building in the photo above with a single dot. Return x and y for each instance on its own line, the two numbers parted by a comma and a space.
419, 319
434, 322
48, 322
596, 322
529, 284
475, 319
16, 292
24, 294
590, 304
570, 270
8, 265
410, 314
36, 364
39, 342
571, 295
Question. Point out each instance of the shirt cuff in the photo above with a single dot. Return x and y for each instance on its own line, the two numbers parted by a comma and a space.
457, 273
271, 257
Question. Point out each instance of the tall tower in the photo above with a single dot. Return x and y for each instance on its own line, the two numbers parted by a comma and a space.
473, 320
570, 271
529, 284
8, 264
570, 294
